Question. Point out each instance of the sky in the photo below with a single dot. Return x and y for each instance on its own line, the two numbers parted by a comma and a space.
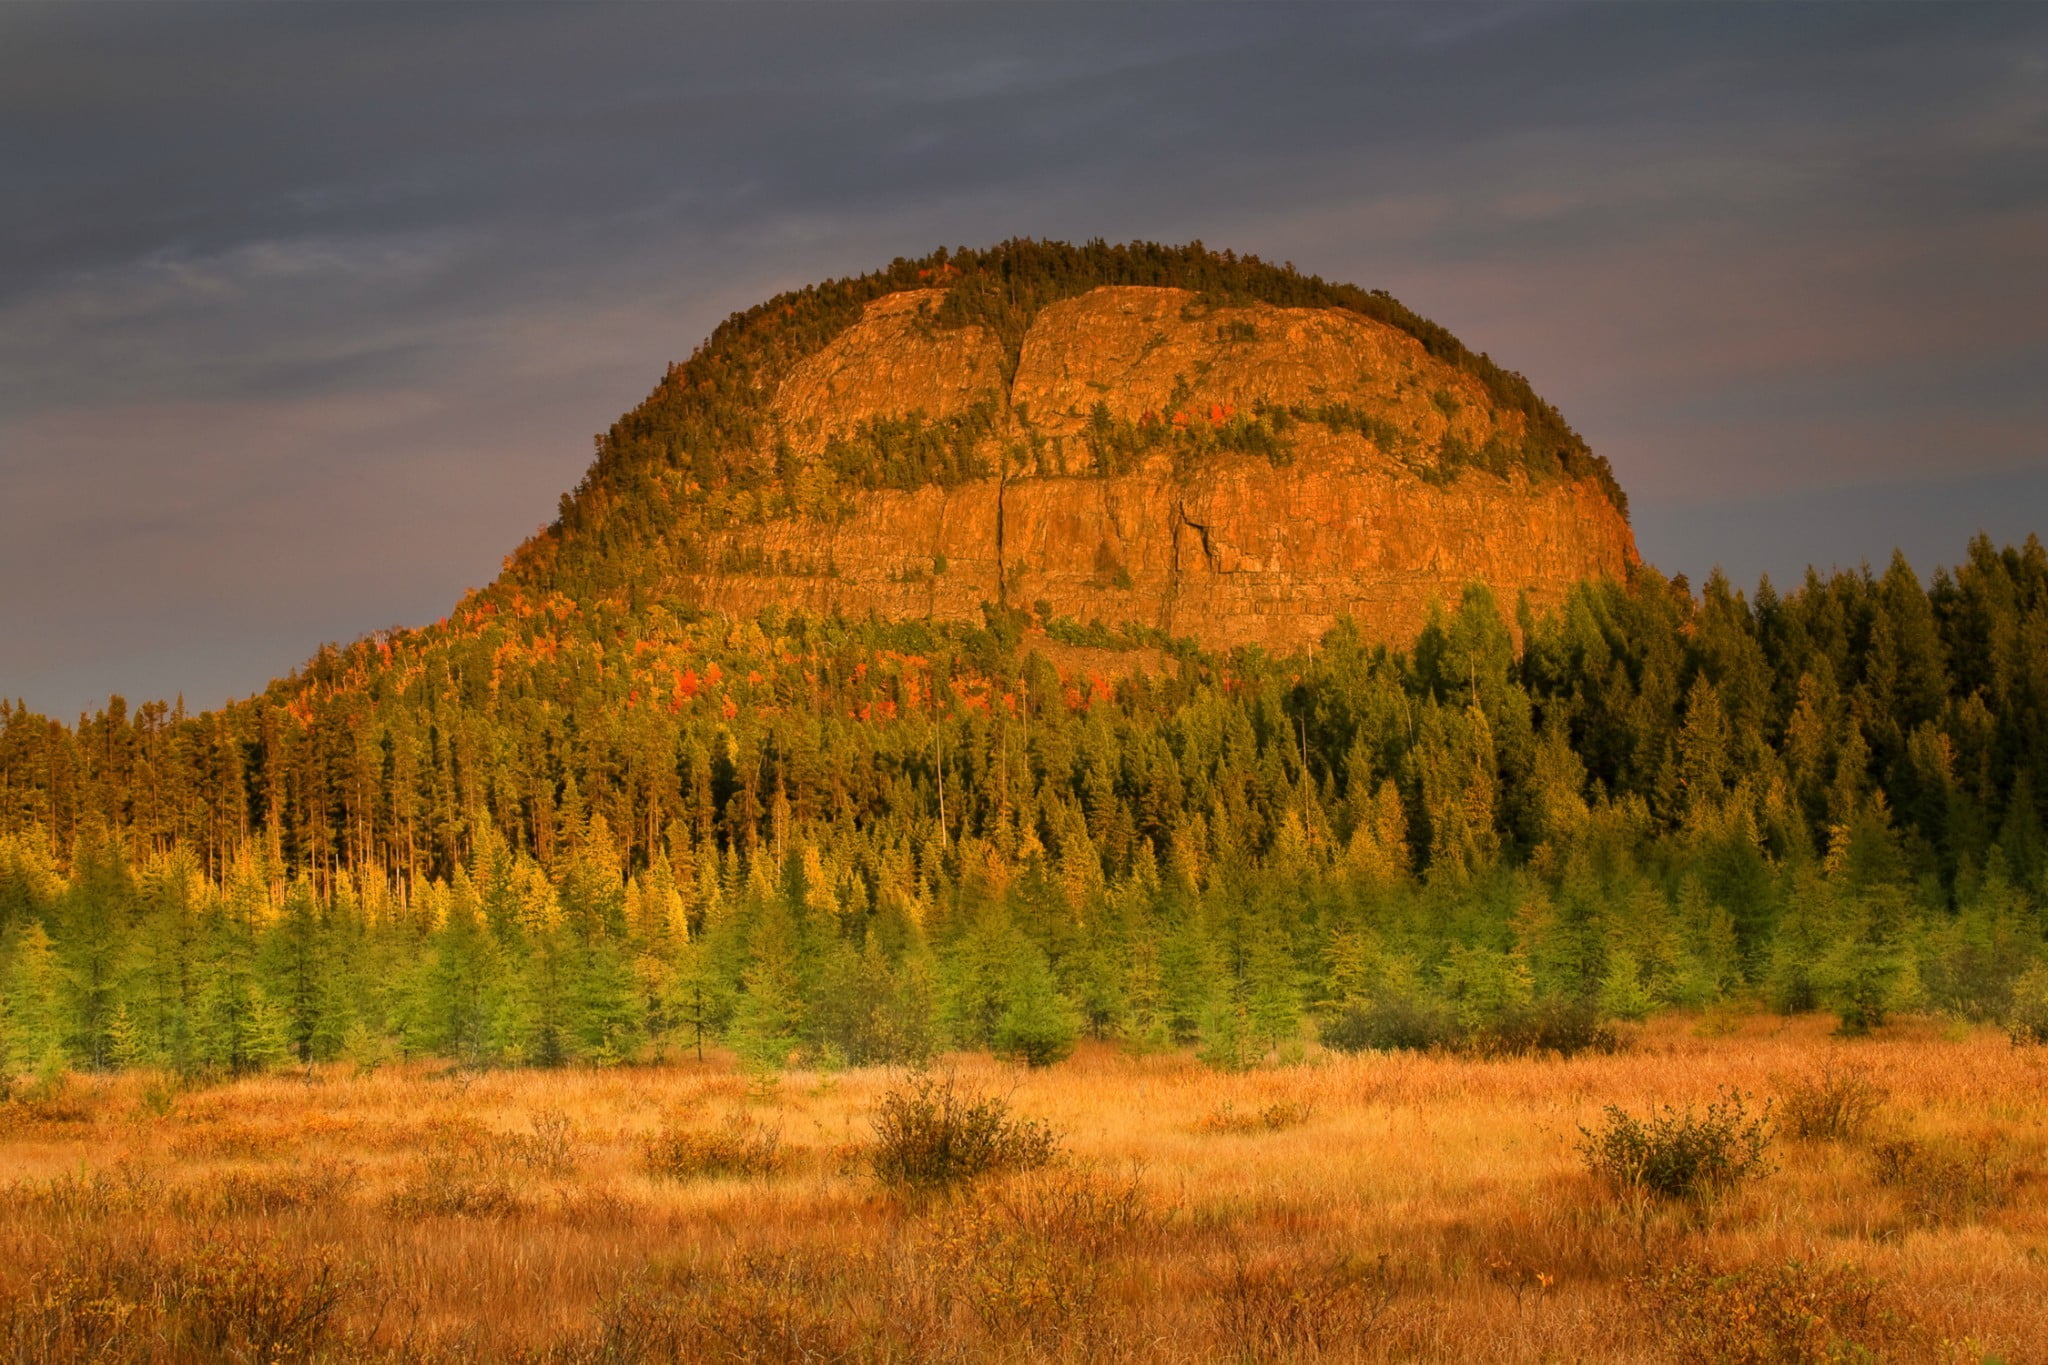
308, 313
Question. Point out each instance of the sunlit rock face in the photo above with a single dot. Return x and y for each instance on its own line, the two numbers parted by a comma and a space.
1375, 516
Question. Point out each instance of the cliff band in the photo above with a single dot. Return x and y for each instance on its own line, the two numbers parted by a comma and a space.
1357, 516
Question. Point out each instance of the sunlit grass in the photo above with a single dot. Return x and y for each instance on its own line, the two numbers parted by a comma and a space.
1369, 1207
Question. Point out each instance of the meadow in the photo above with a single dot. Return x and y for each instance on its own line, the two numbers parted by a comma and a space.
1392, 1206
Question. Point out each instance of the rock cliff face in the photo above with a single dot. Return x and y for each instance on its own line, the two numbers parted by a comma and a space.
1368, 509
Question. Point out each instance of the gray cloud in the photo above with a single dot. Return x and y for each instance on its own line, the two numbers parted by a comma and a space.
307, 312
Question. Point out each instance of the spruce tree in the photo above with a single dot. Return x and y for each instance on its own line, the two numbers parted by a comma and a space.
607, 1012
128, 1046
696, 999
768, 1017
34, 1033
1037, 1024
1272, 991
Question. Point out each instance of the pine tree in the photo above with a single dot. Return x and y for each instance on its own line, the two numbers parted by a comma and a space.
293, 960
768, 1017
34, 1032
1190, 979
1711, 967
1486, 987
1272, 993
539, 1019
696, 999
129, 1048
1623, 995
1225, 1032
1037, 1024
270, 1041
606, 1011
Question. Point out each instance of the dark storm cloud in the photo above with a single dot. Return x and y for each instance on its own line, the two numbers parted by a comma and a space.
306, 313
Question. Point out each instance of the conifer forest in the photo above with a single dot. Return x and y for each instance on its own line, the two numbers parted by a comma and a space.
556, 831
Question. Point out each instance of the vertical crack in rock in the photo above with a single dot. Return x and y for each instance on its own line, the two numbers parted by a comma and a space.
1209, 555
1002, 564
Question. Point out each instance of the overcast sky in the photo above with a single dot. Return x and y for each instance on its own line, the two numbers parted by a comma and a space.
308, 314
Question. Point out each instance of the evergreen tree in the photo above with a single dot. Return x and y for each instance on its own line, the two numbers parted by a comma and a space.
1037, 1024
606, 1009
696, 998
1272, 994
768, 1017
34, 1033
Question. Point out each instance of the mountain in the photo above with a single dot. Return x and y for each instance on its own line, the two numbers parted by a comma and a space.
858, 704
1190, 442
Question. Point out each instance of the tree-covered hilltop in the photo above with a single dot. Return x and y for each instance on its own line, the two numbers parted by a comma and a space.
551, 830
702, 451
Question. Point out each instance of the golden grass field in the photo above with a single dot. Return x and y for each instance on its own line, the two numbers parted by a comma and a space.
1394, 1207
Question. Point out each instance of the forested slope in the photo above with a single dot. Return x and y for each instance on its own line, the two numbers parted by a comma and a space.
543, 834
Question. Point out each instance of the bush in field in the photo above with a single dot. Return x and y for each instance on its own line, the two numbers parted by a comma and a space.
1276, 1117
1677, 1154
749, 1305
1551, 1026
1787, 1314
550, 1149
223, 1298
740, 1146
1835, 1106
1388, 1024
456, 1182
1403, 1023
1298, 1307
930, 1133
2027, 1019
1945, 1183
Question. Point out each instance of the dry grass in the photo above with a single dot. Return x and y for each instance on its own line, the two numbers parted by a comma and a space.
1354, 1208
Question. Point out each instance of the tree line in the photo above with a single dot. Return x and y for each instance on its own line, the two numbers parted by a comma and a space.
601, 829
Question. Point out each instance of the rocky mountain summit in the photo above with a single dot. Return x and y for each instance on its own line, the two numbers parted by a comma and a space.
1240, 458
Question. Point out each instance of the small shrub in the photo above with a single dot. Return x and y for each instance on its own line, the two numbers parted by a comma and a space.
1722, 1019
1788, 1314
930, 1134
85, 1195
1402, 1024
227, 1141
1836, 1106
594, 1206
159, 1098
2027, 1019
549, 1149
738, 1147
266, 1194
1391, 1024
1297, 1308
1273, 1118
1945, 1183
114, 1298
456, 1182
1550, 1027
750, 1306
259, 1302
1676, 1154
1035, 1259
